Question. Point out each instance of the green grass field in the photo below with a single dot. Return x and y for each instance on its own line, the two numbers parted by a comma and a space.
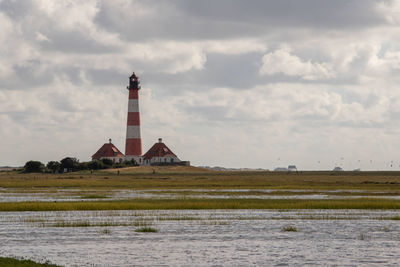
98, 184
181, 177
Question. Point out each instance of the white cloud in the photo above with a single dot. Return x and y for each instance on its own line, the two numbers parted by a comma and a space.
282, 61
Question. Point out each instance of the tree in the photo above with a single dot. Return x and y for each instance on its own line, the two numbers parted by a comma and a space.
108, 163
96, 165
83, 165
33, 166
54, 166
71, 164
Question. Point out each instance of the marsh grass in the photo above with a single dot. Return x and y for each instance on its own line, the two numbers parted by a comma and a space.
146, 229
289, 228
93, 196
84, 224
362, 236
105, 231
198, 204
11, 262
385, 229
177, 218
214, 222
142, 222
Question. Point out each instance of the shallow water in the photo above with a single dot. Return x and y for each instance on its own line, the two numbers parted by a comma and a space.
206, 238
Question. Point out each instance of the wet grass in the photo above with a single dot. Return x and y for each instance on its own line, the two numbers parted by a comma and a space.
11, 262
223, 192
179, 204
93, 196
84, 224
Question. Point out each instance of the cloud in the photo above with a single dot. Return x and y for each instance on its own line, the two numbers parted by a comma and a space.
282, 61
304, 80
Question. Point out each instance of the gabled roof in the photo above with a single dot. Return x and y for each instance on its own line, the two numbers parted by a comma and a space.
107, 150
159, 150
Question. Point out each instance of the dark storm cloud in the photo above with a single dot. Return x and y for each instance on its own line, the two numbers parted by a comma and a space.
311, 13
235, 71
26, 77
193, 19
16, 9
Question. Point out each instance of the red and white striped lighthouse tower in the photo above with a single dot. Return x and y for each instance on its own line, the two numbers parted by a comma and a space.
133, 145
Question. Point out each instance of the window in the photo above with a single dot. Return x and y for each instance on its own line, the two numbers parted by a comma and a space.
172, 159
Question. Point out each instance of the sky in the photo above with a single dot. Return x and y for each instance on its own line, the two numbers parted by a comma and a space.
233, 83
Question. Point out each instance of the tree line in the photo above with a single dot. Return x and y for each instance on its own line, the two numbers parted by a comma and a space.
70, 164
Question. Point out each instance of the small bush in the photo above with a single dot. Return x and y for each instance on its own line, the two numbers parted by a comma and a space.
108, 163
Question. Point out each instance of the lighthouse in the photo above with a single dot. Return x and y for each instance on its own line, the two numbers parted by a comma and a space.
133, 144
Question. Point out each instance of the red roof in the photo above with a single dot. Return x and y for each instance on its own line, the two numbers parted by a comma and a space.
107, 150
158, 150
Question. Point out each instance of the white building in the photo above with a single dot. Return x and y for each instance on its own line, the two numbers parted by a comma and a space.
159, 153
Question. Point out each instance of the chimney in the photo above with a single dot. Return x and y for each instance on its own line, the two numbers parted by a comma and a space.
109, 140
160, 140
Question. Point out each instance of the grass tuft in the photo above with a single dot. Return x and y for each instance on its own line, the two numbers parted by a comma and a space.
146, 229
289, 228
106, 231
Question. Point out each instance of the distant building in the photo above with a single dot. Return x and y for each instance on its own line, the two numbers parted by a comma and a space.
160, 154
337, 169
109, 151
292, 168
280, 169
